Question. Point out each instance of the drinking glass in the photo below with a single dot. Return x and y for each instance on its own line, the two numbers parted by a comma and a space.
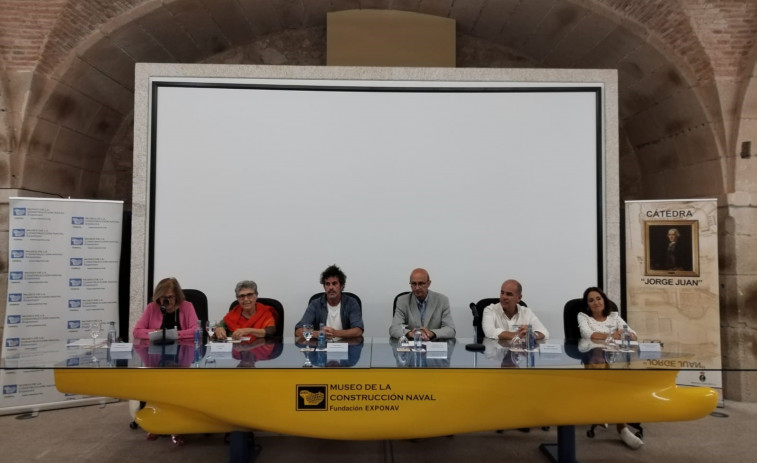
517, 343
307, 333
94, 331
210, 327
610, 343
307, 363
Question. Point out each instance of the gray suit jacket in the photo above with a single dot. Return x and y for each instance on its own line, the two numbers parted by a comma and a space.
438, 316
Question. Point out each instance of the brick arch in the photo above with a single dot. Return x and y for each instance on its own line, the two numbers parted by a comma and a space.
84, 93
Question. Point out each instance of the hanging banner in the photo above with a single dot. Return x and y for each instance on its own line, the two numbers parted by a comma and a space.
63, 262
672, 288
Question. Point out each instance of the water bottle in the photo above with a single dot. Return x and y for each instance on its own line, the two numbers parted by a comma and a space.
417, 341
625, 339
530, 338
198, 334
112, 336
321, 338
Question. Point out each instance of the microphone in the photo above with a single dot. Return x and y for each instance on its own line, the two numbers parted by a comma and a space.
163, 302
475, 347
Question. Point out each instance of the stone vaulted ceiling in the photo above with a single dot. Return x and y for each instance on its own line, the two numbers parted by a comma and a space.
76, 61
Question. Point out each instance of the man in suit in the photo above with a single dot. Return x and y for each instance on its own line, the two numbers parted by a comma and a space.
422, 309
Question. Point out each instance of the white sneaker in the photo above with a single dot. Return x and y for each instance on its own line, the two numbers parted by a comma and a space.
630, 439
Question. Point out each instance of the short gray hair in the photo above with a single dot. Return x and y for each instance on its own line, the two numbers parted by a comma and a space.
249, 284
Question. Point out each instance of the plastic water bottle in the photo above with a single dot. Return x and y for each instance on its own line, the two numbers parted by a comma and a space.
112, 336
321, 338
417, 341
198, 334
530, 338
625, 339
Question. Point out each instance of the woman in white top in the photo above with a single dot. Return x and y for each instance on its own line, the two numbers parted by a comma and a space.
600, 321
597, 324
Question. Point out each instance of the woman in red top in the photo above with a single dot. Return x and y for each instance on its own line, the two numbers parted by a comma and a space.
249, 318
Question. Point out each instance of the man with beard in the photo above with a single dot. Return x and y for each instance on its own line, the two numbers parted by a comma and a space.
340, 313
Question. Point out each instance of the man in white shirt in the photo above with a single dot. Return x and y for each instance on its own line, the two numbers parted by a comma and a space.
505, 319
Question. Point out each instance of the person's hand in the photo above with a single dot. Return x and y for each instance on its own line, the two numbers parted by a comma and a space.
616, 334
219, 333
329, 332
427, 334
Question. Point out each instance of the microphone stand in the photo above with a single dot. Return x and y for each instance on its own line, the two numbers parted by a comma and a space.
163, 305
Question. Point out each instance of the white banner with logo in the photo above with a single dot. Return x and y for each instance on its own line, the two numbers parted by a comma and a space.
672, 289
63, 262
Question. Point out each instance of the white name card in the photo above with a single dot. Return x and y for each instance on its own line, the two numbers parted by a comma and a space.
218, 347
436, 346
550, 348
336, 347
121, 347
650, 347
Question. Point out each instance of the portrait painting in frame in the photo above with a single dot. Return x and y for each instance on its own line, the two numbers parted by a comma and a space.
672, 248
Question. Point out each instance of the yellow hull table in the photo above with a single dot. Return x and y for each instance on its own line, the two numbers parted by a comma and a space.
368, 403
462, 391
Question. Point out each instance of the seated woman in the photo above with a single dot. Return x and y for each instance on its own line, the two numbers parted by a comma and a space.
168, 310
597, 324
249, 318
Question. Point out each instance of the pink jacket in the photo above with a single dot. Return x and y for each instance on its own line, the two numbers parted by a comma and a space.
151, 320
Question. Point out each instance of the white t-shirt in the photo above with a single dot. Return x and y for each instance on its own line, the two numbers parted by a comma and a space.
334, 318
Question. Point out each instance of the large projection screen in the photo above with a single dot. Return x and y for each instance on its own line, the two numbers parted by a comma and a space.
275, 179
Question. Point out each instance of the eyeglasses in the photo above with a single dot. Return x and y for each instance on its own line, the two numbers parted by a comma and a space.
418, 284
246, 296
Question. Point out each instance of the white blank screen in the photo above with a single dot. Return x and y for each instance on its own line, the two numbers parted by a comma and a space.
276, 183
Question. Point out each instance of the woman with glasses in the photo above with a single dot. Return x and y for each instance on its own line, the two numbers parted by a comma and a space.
248, 318
168, 310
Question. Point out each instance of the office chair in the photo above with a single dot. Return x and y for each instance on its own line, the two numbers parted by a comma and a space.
396, 298
573, 334
317, 295
200, 302
278, 312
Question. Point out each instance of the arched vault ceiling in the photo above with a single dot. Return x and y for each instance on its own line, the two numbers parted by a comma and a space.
86, 51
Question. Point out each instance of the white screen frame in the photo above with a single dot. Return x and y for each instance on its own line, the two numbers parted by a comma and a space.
292, 282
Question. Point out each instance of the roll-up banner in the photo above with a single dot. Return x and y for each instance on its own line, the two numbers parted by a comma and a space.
672, 289
63, 262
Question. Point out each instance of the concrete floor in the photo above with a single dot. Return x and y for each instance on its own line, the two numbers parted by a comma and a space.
101, 433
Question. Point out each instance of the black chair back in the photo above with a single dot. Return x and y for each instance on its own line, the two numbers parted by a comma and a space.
570, 319
278, 315
317, 295
394, 306
200, 302
480, 306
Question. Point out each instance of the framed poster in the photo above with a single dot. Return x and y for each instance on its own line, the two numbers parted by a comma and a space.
672, 247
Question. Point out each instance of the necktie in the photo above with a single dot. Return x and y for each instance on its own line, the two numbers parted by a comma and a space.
422, 310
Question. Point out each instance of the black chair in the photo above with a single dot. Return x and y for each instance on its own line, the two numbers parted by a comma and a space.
200, 301
317, 295
573, 334
396, 298
480, 306
277, 306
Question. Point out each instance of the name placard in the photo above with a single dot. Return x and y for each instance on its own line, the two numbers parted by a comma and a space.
650, 347
121, 347
547, 348
436, 346
336, 347
218, 347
